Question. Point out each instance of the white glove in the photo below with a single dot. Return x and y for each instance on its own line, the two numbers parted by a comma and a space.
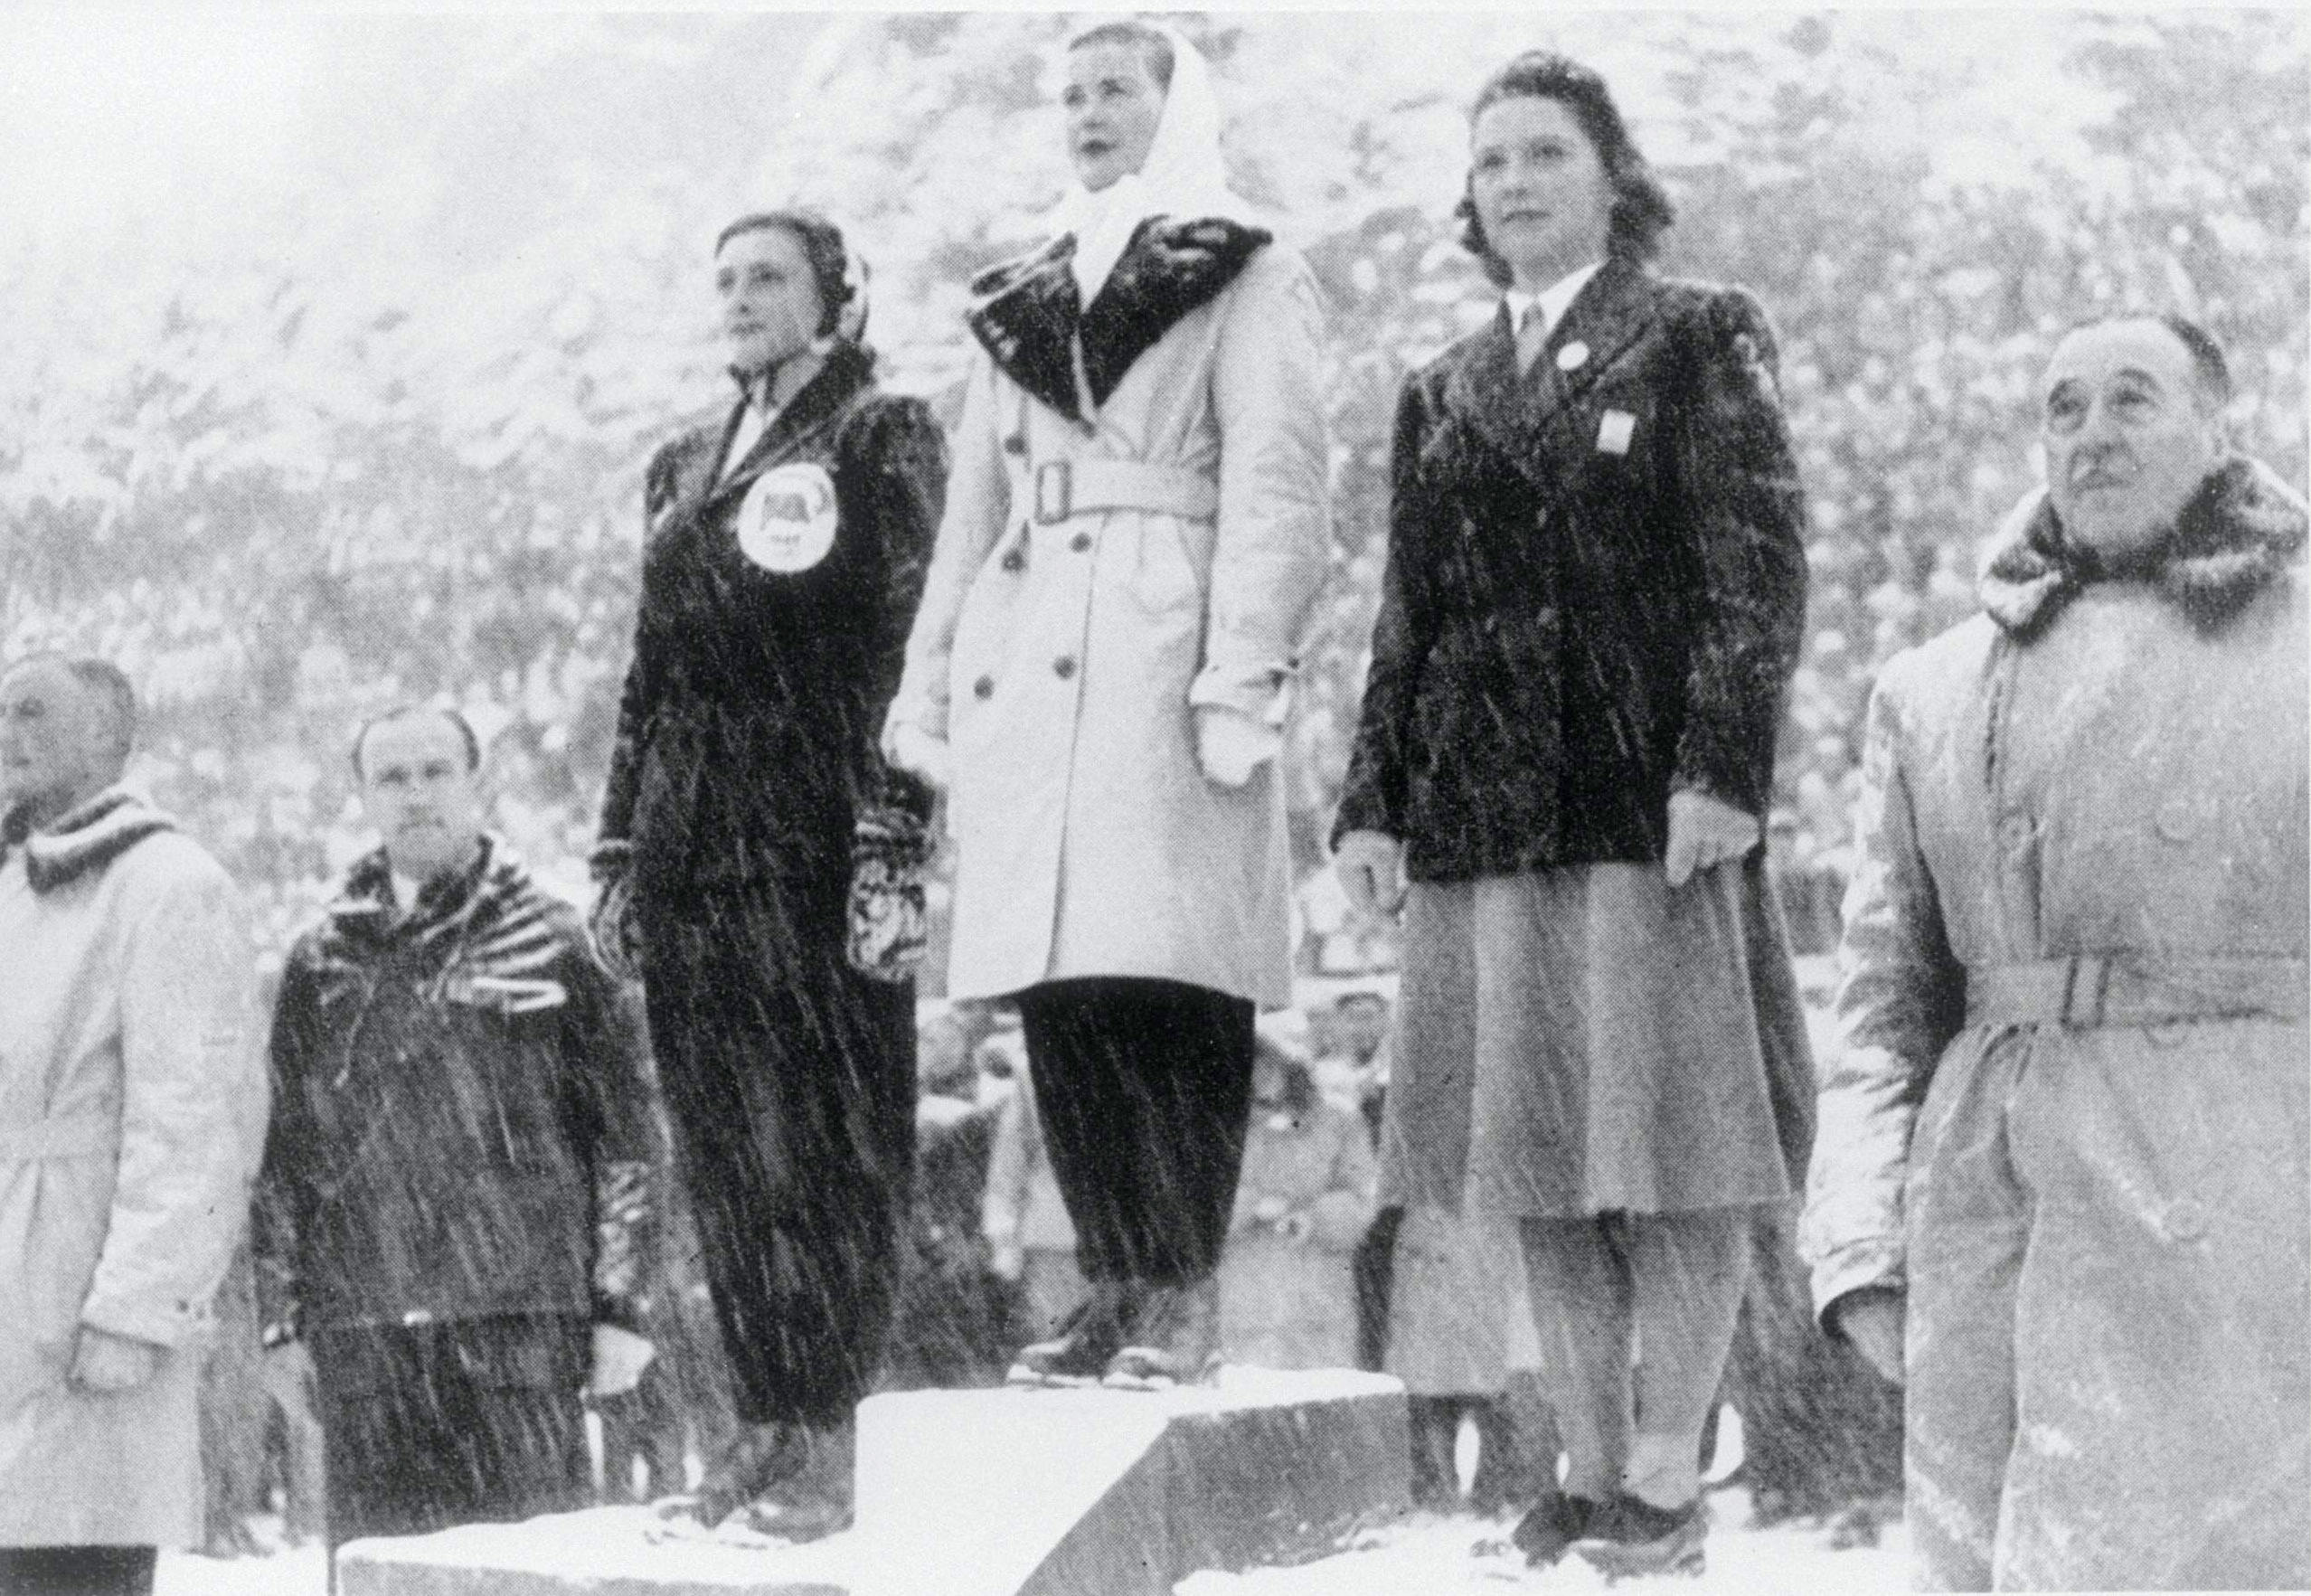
619, 1358
918, 752
1230, 744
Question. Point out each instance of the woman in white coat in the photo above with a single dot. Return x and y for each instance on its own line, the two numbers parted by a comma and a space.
1134, 532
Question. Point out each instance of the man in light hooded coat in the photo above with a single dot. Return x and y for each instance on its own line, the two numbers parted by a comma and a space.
132, 1105
1135, 530
2064, 1137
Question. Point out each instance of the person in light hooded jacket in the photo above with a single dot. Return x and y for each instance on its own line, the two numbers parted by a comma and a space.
132, 1106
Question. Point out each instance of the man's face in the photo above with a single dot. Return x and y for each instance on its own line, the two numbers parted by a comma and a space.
58, 745
419, 790
2128, 440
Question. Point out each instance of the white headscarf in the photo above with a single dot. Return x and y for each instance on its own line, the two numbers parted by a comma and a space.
1184, 175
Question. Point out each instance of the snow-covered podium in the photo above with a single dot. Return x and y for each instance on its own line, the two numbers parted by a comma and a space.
992, 1493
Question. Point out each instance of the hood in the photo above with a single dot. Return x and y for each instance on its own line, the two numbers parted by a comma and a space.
84, 839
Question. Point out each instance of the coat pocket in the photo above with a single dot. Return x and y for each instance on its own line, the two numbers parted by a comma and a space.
1174, 561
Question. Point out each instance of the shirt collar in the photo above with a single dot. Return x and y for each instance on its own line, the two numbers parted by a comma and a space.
1553, 300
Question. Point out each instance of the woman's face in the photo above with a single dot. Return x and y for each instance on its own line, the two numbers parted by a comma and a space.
1113, 107
770, 304
1540, 187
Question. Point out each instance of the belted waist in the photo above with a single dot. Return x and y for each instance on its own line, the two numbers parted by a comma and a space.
1065, 488
80, 1135
2086, 990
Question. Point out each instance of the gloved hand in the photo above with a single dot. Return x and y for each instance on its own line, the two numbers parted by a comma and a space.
620, 1356
909, 747
1371, 867
1230, 744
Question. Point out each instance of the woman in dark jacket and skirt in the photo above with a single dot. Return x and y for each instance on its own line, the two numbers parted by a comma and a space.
1593, 602
750, 829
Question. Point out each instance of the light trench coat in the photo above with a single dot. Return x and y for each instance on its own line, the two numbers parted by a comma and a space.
1080, 606
2067, 1113
132, 1110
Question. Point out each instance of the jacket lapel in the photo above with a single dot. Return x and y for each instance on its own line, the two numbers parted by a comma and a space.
1533, 416
821, 401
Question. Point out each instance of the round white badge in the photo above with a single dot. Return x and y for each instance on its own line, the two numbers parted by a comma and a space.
786, 520
1572, 356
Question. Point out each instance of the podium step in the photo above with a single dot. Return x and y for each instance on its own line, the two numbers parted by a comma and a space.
992, 1493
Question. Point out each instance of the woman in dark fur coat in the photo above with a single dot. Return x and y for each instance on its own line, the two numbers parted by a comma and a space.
1592, 605
751, 830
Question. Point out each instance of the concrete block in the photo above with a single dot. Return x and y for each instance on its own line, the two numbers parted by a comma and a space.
990, 1493
1102, 1493
601, 1551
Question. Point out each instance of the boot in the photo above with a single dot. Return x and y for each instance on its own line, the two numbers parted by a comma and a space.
1630, 1538
1088, 1339
758, 1457
1555, 1523
1173, 1337
1434, 1426
816, 1500
1503, 1476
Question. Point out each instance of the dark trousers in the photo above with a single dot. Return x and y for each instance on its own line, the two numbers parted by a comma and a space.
77, 1570
461, 1422
789, 1079
1145, 1091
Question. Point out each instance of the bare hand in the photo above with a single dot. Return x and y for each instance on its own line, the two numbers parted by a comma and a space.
1704, 831
1371, 867
289, 1377
106, 1364
619, 1358
1873, 1321
1007, 1260
1231, 745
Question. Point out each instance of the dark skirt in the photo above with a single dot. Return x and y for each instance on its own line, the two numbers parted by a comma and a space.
1584, 1040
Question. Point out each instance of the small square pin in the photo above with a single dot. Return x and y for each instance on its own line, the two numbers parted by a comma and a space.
1614, 428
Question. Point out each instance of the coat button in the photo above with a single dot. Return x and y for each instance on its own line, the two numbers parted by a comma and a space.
1080, 542
1063, 667
2185, 1220
1015, 444
2015, 831
984, 688
2178, 820
1012, 560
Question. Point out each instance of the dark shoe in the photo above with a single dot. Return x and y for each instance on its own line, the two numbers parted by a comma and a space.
1630, 1538
758, 1457
1088, 1340
1174, 1338
816, 1500
1555, 1523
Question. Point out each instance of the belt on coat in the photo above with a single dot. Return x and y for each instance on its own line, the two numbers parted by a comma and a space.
1065, 488
2086, 990
80, 1135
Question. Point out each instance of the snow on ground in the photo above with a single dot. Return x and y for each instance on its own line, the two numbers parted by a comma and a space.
1424, 1554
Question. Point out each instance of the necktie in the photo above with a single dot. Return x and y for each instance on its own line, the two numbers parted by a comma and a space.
1531, 333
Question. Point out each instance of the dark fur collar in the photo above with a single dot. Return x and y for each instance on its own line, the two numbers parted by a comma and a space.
2242, 529
84, 839
1028, 319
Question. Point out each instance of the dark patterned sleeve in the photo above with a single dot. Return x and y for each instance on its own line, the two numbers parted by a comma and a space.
901, 461
1374, 796
605, 1059
1745, 513
284, 1178
637, 699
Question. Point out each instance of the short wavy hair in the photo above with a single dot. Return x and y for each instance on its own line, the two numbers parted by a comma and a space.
1641, 211
824, 251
